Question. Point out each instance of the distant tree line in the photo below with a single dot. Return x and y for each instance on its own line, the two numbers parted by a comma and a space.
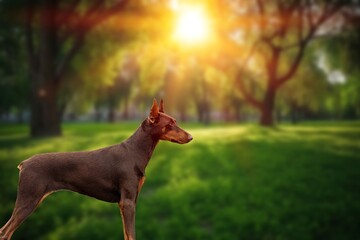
270, 60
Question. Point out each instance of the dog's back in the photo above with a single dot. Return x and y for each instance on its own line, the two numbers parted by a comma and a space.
112, 174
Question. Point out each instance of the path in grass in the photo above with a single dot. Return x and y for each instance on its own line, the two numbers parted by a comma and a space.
231, 182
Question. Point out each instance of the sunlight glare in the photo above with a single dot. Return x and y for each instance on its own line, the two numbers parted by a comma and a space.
192, 26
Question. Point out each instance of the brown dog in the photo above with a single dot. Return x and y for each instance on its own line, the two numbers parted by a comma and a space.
112, 174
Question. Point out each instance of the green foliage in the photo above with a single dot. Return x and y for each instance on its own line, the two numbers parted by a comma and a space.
309, 89
204, 76
14, 88
341, 53
231, 182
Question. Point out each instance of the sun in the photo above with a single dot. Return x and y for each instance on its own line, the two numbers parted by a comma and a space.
192, 26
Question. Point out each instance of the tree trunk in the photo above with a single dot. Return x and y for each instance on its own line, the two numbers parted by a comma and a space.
125, 113
183, 113
203, 112
97, 112
294, 113
226, 114
20, 116
207, 113
50, 25
200, 112
237, 114
45, 120
45, 113
266, 118
204, 104
111, 101
111, 115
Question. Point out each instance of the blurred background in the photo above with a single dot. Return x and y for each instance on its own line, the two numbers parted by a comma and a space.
270, 90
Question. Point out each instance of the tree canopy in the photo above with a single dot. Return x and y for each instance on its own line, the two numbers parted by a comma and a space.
228, 60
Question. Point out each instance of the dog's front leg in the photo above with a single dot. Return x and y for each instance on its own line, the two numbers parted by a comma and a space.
127, 209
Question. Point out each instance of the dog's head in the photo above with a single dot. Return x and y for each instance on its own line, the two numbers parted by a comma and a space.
164, 127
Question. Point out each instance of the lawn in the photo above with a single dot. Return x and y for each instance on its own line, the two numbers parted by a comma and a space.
231, 182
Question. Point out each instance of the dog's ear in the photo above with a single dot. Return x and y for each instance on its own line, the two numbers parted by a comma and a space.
154, 112
161, 106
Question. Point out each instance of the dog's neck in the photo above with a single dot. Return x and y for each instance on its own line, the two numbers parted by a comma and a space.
144, 144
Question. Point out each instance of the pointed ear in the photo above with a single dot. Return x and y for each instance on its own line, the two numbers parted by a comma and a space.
161, 106
154, 112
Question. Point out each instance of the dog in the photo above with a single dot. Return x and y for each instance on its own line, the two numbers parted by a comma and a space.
113, 174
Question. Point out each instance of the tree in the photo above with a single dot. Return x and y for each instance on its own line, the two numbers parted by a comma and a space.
54, 33
305, 96
13, 79
342, 52
279, 32
121, 88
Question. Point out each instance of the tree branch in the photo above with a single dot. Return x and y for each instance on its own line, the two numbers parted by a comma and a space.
308, 14
248, 57
74, 22
64, 64
285, 13
68, 13
91, 18
246, 94
294, 66
300, 31
300, 25
328, 12
261, 9
239, 80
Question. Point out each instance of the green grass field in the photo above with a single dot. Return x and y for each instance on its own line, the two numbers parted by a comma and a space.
231, 182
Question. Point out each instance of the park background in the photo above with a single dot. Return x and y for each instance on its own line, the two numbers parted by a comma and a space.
270, 91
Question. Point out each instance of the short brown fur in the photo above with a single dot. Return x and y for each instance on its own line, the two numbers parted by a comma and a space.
112, 174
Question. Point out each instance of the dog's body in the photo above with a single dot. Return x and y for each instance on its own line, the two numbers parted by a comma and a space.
112, 174
115, 166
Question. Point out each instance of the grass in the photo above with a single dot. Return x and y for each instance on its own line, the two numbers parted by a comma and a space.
231, 182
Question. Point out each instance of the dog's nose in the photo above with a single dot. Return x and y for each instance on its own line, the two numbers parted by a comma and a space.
190, 138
